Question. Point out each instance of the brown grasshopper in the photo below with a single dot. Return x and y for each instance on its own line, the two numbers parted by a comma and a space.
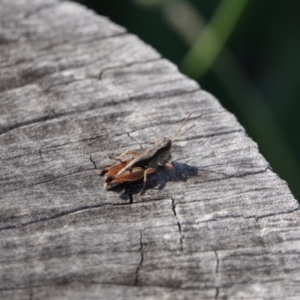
144, 163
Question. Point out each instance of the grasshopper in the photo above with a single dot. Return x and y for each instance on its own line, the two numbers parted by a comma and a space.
143, 163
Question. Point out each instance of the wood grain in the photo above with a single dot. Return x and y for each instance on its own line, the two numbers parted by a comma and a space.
76, 89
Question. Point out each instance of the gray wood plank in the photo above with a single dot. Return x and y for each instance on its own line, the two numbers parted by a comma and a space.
76, 89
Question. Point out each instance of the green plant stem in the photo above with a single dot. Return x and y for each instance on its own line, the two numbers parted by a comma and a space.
213, 38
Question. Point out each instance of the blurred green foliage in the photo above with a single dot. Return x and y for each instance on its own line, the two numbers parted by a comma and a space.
246, 53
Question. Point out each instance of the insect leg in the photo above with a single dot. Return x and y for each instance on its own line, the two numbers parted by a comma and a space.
114, 169
146, 173
131, 152
170, 166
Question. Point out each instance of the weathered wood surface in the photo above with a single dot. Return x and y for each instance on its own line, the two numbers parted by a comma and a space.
75, 89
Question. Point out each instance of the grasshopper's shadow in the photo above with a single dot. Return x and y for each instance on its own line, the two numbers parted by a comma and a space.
159, 179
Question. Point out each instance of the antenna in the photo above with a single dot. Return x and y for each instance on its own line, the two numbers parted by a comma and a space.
178, 133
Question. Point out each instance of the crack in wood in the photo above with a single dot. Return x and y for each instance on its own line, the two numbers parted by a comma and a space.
178, 223
76, 210
127, 65
217, 273
17, 125
217, 259
52, 179
240, 175
90, 40
9, 227
204, 136
123, 284
158, 95
66, 83
61, 214
213, 172
217, 218
175, 122
30, 294
141, 261
93, 162
277, 214
8, 128
217, 293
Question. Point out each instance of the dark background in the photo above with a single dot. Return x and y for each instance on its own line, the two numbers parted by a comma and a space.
254, 69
